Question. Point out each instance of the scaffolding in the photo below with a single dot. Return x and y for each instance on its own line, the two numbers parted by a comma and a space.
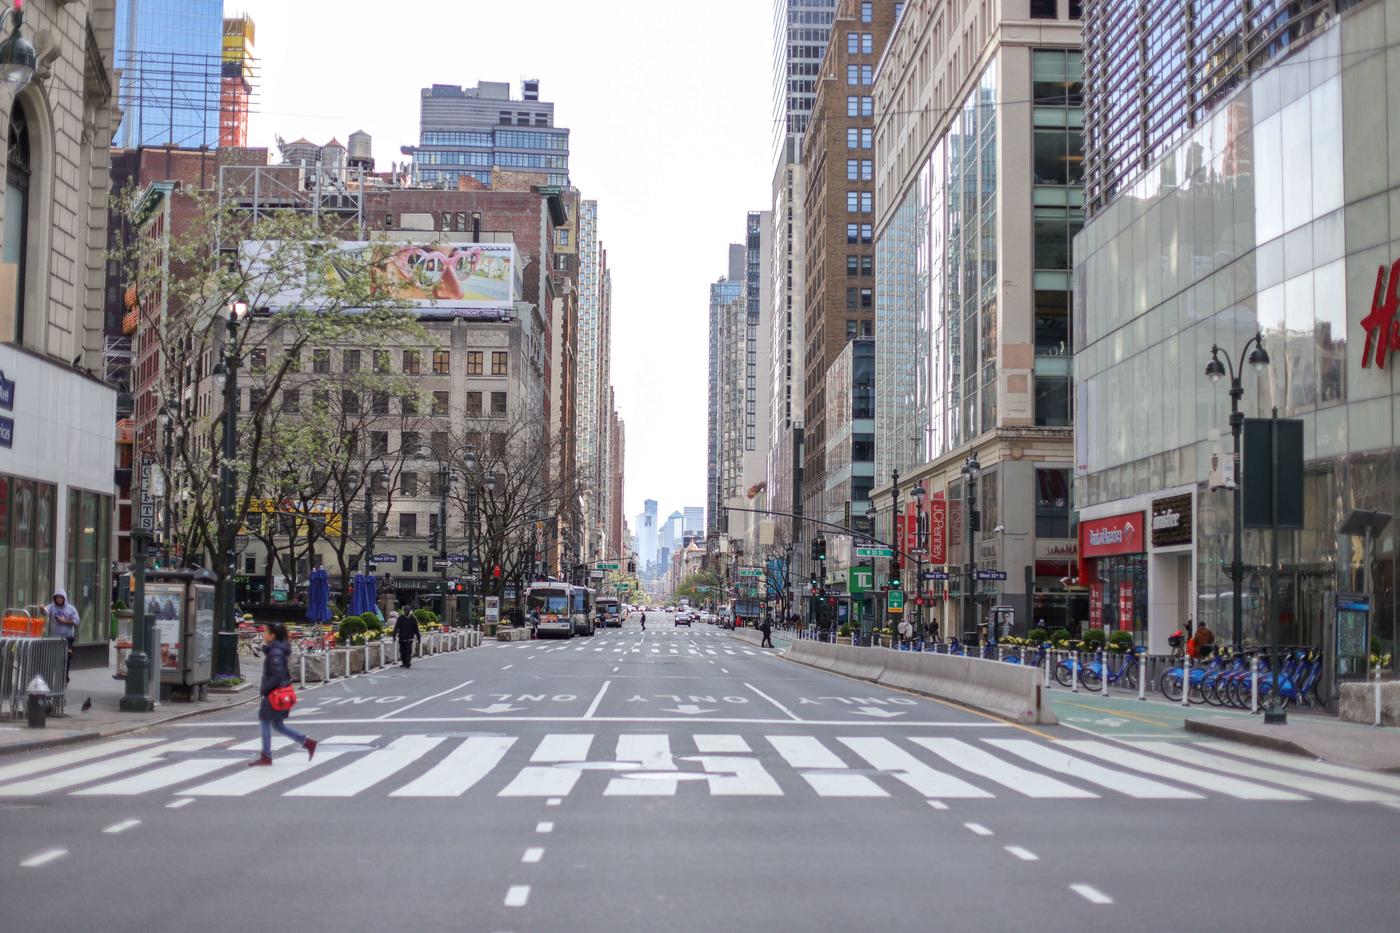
178, 99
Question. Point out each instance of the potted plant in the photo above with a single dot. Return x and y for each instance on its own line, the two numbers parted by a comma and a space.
843, 634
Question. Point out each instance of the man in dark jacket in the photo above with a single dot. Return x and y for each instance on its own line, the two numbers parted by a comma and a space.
406, 631
767, 629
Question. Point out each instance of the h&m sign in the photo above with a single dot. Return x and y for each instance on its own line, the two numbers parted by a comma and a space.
1382, 330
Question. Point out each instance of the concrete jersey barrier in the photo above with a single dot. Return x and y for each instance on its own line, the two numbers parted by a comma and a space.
1012, 691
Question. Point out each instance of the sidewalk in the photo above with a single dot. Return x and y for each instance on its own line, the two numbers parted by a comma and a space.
1314, 735
105, 717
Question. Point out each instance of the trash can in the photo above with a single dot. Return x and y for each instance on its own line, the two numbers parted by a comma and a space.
36, 703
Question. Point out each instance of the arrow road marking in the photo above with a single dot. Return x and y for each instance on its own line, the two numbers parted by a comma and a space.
496, 708
877, 712
690, 709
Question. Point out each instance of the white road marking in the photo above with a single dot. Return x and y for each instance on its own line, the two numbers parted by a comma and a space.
410, 706
177, 804
545, 827
790, 714
552, 802
508, 667
179, 772
1025, 855
1030, 783
593, 707
1243, 790
739, 777
886, 756
104, 769
977, 829
532, 855
938, 804
249, 780
804, 751
518, 895
551, 782
719, 744
653, 752
1091, 894
64, 759
1312, 785
1299, 763
279, 742
368, 770
1080, 769
121, 827
43, 858
560, 747
461, 769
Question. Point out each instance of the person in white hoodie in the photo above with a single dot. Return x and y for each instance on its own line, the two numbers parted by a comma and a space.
63, 623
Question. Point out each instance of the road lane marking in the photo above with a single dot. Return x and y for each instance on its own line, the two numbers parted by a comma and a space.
461, 769
179, 772
547, 781
886, 756
249, 780
1025, 855
977, 829
121, 827
177, 804
104, 769
545, 827
807, 752
593, 707
518, 895
1312, 785
368, 770
1030, 783
1091, 894
532, 855
553, 802
739, 777
1082, 770
403, 709
64, 759
43, 858
1243, 790
1299, 763
790, 714
720, 744
653, 753
938, 804
508, 667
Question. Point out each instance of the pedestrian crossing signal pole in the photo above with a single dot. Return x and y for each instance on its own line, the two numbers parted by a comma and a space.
971, 469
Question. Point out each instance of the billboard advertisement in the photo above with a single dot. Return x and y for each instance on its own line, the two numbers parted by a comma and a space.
424, 276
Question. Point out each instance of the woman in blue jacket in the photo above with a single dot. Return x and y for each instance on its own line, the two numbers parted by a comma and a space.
276, 673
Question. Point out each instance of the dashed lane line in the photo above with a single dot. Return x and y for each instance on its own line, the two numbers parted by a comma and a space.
121, 827
1091, 894
518, 895
43, 858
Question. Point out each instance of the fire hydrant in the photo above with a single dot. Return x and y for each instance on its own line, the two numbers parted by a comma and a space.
36, 706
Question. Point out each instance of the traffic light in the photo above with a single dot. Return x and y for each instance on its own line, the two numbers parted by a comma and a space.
820, 546
496, 571
631, 566
815, 550
896, 583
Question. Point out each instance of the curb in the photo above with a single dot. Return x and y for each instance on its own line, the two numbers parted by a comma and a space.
1248, 738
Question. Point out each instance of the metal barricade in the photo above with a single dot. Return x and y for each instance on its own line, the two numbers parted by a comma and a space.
20, 660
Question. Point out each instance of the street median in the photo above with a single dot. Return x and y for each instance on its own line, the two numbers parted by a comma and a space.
1007, 690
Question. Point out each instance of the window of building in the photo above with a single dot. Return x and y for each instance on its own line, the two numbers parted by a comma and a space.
867, 138
17, 175
1052, 395
500, 362
379, 443
293, 361
408, 563
473, 362
381, 361
561, 236
412, 365
442, 362
867, 234
408, 525
291, 400
853, 265
867, 106
408, 443
852, 169
852, 137
852, 233
867, 74
852, 298
1044, 9
867, 328
1076, 9
1053, 229
350, 361
852, 42
409, 404
852, 105
473, 404
867, 202
898, 12
439, 442
408, 483
867, 265
853, 75
867, 11
350, 401
867, 43
852, 328
1052, 503
320, 361
867, 169
439, 403
867, 298
852, 201
498, 403
379, 403
257, 360
422, 563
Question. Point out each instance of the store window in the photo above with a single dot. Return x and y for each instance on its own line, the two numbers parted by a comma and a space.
89, 557
17, 174
1052, 503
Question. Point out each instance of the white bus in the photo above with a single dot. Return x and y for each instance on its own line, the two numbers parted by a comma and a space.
553, 604
583, 600
610, 611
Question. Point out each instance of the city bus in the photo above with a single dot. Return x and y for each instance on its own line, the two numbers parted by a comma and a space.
552, 602
583, 609
610, 611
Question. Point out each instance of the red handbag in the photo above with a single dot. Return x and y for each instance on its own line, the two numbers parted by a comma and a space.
282, 699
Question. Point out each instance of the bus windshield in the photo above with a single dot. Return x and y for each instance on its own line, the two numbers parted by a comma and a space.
549, 603
610, 607
580, 601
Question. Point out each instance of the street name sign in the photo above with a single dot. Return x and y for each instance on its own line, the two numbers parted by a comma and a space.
607, 565
456, 558
991, 574
751, 573
936, 575
874, 552
384, 559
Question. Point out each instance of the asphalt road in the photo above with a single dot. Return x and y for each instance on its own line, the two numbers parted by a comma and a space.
678, 779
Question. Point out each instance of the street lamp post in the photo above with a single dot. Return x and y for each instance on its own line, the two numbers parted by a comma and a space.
227, 653
971, 469
1258, 358
918, 493
137, 696
380, 474
166, 417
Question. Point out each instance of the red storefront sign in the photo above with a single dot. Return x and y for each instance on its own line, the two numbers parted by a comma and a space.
1095, 605
911, 528
1125, 607
898, 541
1109, 537
1382, 330
937, 529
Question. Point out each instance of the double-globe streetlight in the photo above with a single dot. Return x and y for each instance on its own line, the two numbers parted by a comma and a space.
896, 564
971, 470
422, 455
226, 381
1257, 357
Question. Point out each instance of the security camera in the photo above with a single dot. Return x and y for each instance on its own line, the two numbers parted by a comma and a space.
999, 529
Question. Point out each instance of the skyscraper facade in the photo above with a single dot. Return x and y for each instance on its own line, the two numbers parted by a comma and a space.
695, 519
466, 131
169, 54
236, 80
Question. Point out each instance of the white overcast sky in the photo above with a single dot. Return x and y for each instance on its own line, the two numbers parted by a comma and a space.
668, 104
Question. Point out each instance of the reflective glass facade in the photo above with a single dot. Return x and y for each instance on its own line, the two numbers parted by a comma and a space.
169, 53
1274, 214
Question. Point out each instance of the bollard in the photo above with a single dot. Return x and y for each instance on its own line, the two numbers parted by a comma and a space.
1378, 697
1142, 675
303, 669
1074, 671
1047, 668
1103, 661
1186, 680
1254, 684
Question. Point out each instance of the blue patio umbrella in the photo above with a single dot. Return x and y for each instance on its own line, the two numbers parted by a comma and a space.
359, 603
318, 596
371, 593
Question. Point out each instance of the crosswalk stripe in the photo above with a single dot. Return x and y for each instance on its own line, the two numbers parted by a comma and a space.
971, 758
279, 742
368, 770
1080, 769
738, 777
803, 751
885, 755
1299, 763
719, 744
32, 766
1193, 776
180, 772
102, 770
251, 780
1310, 785
551, 782
654, 754
461, 769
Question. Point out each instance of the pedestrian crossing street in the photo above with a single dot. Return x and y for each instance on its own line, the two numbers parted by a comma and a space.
664, 643
557, 765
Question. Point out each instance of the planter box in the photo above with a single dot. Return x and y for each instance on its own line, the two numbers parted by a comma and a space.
520, 633
843, 639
